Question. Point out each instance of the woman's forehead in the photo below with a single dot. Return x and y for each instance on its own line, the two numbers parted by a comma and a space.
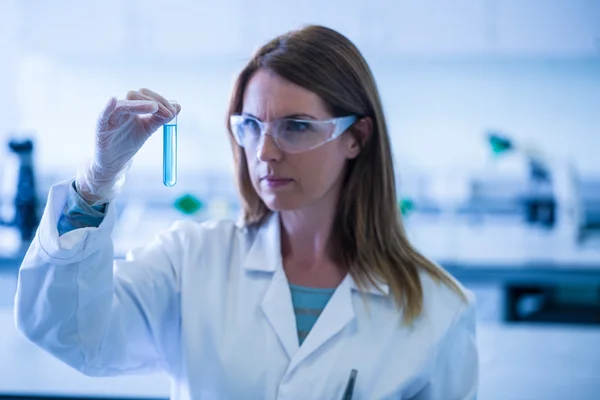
267, 96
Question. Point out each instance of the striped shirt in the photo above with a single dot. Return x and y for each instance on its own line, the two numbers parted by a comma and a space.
308, 304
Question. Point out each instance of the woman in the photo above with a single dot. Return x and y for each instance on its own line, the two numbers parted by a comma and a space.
316, 293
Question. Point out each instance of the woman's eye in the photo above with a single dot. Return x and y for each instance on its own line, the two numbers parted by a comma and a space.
251, 126
296, 126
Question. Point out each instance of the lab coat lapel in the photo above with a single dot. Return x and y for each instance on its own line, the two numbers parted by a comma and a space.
338, 313
277, 307
265, 256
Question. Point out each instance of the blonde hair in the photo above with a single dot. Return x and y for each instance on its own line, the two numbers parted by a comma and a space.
368, 227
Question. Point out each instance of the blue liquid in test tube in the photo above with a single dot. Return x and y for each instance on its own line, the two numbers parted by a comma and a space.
170, 153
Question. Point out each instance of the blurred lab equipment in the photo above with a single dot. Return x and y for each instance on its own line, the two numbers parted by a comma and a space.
550, 197
551, 194
589, 228
189, 204
19, 173
170, 151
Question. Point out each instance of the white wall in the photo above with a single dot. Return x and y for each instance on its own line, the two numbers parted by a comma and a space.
9, 56
438, 112
439, 97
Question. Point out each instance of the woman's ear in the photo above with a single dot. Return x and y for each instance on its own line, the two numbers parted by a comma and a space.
361, 132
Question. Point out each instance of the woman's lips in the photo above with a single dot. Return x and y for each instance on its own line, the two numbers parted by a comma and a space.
273, 182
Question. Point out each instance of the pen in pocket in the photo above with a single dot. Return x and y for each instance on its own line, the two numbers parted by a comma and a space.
350, 385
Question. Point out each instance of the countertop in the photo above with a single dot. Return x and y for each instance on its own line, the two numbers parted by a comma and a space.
498, 249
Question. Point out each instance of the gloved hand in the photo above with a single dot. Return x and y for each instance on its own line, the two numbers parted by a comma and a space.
122, 128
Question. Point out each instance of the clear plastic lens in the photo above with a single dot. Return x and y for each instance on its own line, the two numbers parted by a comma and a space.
291, 135
299, 136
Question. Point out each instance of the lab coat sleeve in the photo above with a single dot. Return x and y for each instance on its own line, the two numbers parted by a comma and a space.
456, 369
78, 214
100, 316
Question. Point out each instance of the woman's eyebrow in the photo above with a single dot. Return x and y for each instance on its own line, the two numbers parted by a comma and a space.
293, 115
300, 116
250, 115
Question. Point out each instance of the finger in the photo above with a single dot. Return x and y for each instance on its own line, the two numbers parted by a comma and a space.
135, 107
163, 111
133, 95
104, 117
153, 122
159, 98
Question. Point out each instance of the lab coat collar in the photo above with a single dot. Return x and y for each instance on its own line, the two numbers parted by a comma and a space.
384, 289
339, 313
265, 255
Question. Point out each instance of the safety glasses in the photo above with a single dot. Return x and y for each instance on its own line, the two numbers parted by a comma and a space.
290, 134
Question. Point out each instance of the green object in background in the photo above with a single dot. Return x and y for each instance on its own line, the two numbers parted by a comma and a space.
499, 144
189, 204
406, 205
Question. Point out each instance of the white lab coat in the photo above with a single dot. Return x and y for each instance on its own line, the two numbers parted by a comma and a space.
210, 305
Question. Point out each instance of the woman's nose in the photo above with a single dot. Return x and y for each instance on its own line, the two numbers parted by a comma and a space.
267, 150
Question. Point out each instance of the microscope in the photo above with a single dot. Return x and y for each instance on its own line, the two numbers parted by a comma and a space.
25, 202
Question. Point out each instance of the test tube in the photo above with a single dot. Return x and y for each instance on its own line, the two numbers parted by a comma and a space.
170, 152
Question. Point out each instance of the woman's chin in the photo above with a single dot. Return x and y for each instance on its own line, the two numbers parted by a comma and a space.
278, 203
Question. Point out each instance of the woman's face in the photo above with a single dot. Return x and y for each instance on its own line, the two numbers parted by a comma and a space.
291, 181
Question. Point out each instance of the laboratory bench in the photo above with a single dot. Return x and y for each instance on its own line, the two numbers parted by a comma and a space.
547, 275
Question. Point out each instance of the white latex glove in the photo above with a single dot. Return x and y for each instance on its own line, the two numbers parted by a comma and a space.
122, 129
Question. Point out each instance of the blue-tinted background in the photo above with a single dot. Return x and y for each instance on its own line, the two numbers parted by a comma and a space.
449, 73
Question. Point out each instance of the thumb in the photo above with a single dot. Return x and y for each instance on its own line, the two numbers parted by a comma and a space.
156, 120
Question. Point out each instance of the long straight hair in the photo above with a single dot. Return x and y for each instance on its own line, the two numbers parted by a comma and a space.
368, 226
